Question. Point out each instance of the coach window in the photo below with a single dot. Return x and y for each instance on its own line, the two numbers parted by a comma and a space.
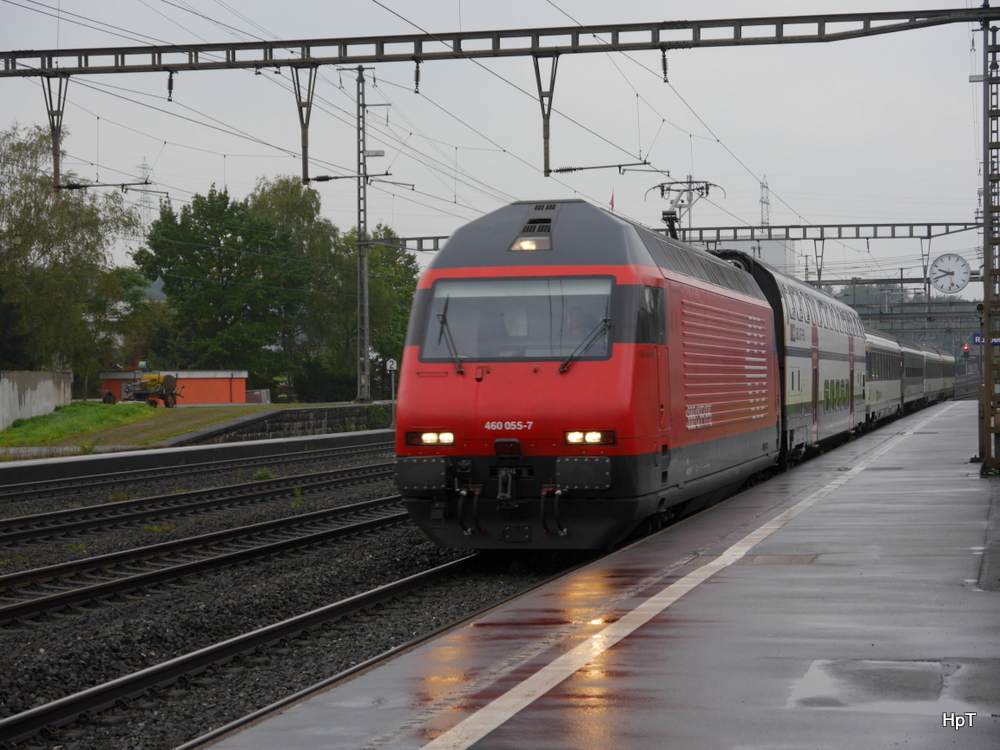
650, 324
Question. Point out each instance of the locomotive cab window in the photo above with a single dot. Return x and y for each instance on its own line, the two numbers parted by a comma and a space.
517, 319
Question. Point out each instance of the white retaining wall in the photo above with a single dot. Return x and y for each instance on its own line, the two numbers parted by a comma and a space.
25, 394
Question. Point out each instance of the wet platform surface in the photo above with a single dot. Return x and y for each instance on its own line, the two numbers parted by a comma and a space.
845, 604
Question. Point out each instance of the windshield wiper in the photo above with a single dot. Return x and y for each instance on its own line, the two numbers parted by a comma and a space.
603, 325
445, 332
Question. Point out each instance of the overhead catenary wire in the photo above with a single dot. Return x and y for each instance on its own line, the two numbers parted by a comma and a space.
444, 168
493, 73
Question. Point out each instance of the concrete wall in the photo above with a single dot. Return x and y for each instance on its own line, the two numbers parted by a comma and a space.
292, 424
30, 394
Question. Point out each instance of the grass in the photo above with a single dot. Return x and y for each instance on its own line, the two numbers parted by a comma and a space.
81, 419
84, 425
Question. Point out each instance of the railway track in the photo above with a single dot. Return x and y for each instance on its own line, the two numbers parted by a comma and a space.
50, 716
968, 386
26, 491
28, 594
74, 521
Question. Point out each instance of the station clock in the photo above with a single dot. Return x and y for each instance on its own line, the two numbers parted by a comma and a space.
949, 273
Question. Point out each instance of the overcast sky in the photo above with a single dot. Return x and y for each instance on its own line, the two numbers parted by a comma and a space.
877, 130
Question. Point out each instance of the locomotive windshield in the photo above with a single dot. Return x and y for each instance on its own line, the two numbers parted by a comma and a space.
517, 319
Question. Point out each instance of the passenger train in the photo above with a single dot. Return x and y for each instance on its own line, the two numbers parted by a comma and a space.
570, 375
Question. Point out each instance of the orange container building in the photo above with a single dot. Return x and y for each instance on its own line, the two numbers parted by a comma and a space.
194, 386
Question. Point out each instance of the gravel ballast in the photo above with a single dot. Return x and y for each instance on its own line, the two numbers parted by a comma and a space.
64, 654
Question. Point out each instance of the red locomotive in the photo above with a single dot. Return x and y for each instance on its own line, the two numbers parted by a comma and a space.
569, 375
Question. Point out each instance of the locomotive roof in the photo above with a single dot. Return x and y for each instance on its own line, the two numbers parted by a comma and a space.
579, 234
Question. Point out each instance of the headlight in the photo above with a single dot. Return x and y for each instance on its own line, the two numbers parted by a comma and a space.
430, 438
530, 244
590, 437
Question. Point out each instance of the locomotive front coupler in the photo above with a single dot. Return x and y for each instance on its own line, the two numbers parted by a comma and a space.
505, 484
507, 450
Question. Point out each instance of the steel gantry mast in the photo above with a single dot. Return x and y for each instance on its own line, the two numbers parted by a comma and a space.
544, 45
991, 247
364, 363
304, 99
55, 105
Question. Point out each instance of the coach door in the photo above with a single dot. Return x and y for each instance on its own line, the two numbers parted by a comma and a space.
850, 395
815, 383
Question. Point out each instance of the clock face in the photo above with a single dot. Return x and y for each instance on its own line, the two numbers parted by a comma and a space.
950, 273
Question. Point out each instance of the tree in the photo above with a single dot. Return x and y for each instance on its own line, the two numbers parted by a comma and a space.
269, 285
392, 280
247, 280
144, 325
393, 274
304, 317
54, 260
220, 266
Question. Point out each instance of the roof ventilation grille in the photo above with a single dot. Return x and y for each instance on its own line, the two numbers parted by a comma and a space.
537, 226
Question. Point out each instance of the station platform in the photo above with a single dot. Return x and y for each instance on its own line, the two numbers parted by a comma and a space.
850, 603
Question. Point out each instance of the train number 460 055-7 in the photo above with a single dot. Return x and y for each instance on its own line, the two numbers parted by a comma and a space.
508, 425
